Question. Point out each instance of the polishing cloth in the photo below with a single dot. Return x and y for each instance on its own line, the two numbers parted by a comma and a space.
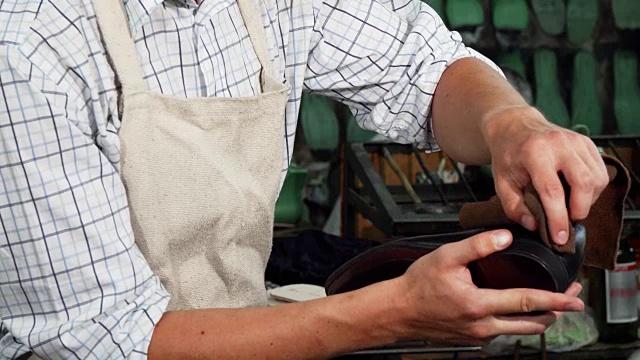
603, 225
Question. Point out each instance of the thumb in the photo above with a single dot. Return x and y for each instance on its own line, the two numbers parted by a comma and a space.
512, 198
476, 247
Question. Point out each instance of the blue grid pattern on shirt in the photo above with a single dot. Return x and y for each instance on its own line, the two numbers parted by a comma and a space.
72, 282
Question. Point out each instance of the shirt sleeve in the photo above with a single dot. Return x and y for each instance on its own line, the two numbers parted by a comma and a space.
73, 285
384, 59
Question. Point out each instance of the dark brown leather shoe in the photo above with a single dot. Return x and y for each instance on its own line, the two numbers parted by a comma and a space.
527, 263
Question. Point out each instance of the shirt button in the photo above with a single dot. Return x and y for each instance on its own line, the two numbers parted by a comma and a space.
393, 135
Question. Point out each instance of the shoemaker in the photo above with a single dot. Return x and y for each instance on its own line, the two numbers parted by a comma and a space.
144, 143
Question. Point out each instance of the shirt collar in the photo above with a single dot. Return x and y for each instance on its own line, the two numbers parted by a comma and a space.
189, 3
139, 11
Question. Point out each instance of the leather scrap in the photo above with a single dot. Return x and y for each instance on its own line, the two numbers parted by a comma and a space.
603, 225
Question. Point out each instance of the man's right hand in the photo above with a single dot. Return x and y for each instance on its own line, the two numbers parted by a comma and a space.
441, 302
434, 300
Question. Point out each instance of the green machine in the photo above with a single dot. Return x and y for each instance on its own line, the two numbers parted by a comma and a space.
290, 205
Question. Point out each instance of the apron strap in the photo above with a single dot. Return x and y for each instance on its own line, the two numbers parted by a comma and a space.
114, 27
122, 53
252, 18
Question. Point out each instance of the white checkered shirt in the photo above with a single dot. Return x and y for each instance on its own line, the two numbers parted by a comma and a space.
72, 283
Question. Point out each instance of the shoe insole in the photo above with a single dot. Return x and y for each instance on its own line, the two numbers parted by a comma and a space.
626, 14
437, 5
510, 15
548, 97
464, 13
586, 110
582, 16
627, 92
550, 15
319, 122
513, 61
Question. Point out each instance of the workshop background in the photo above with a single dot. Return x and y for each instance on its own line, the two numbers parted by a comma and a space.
348, 190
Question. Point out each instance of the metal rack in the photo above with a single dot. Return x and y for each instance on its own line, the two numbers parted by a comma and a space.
396, 212
389, 207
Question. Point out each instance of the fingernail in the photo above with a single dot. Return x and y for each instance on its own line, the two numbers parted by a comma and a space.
578, 288
528, 222
562, 238
501, 239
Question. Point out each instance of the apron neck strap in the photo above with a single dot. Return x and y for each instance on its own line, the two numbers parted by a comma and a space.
114, 27
252, 18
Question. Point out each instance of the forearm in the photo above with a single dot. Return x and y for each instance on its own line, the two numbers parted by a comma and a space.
468, 96
315, 329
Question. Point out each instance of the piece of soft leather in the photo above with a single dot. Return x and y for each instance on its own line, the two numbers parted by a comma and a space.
603, 225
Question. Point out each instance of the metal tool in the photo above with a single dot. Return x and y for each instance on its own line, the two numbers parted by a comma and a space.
463, 179
420, 207
427, 173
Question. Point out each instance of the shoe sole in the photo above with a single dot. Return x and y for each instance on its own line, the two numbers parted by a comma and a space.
550, 15
548, 98
627, 92
510, 15
582, 16
464, 13
585, 104
626, 14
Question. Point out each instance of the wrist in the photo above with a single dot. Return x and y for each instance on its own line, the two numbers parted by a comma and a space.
399, 309
389, 314
509, 120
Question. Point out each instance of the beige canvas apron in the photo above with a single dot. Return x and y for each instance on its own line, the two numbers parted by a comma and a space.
202, 175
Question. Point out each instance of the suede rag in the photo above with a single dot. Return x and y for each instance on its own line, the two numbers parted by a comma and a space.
603, 225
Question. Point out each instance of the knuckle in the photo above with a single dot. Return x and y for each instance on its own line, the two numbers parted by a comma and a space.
560, 136
482, 245
579, 213
532, 147
441, 259
583, 182
507, 159
473, 311
603, 181
552, 189
527, 304
513, 213
439, 256
512, 207
480, 332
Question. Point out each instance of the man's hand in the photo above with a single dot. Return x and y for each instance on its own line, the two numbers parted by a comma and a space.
525, 148
435, 299
442, 303
479, 118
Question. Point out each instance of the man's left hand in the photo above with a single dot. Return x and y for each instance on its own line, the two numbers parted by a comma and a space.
527, 149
